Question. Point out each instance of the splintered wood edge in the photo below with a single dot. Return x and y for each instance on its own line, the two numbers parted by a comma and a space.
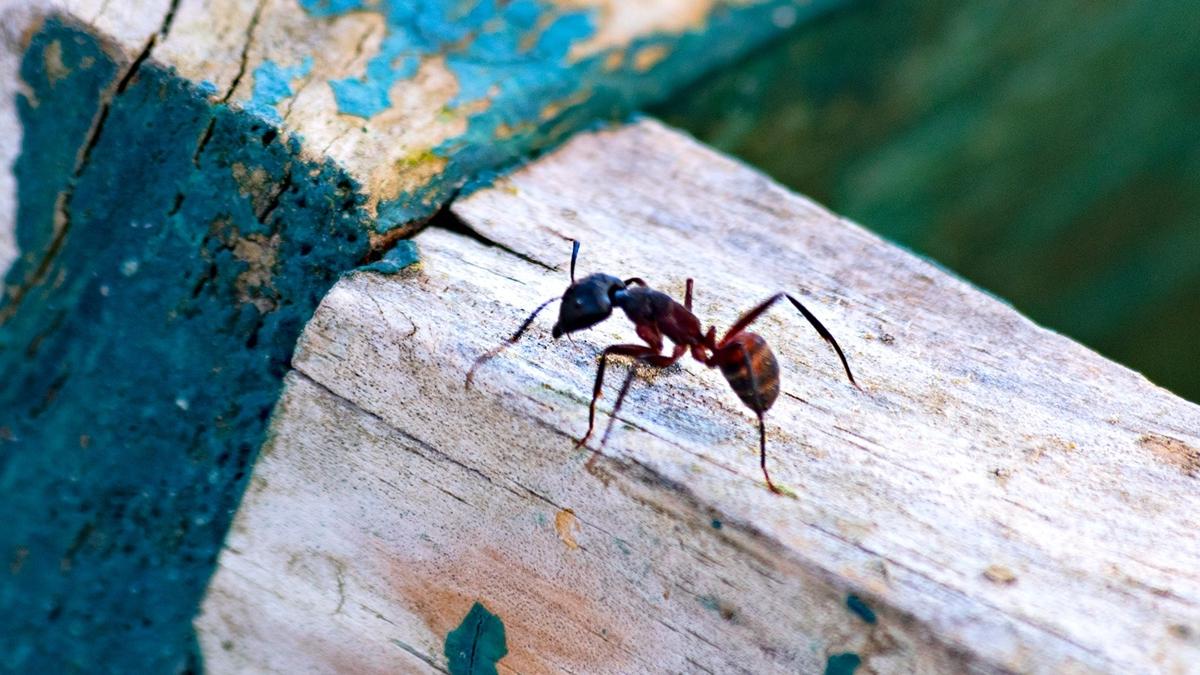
999, 497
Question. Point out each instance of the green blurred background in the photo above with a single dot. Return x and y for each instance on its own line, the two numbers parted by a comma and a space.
1047, 151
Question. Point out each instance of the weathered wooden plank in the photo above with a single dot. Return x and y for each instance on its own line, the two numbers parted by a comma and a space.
998, 498
188, 178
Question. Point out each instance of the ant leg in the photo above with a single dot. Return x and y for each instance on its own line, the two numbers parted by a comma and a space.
826, 335
687, 296
749, 317
753, 315
620, 399
491, 353
762, 425
657, 361
636, 351
762, 454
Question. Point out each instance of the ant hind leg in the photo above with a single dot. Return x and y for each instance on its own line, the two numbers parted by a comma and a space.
757, 311
762, 453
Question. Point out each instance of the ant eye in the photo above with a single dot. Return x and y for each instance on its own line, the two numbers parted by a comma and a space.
578, 302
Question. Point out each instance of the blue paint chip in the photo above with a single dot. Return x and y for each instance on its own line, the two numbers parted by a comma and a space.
272, 84
402, 255
566, 30
716, 524
523, 14
477, 644
842, 664
359, 97
860, 607
326, 8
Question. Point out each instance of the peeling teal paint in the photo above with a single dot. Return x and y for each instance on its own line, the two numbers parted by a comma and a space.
477, 644
402, 255
486, 44
74, 95
272, 84
842, 664
709, 602
146, 352
860, 608
370, 95
513, 56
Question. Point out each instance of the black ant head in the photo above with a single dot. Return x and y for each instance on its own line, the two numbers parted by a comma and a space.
587, 302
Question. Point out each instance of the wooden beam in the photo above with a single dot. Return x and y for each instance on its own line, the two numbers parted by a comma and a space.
180, 183
997, 499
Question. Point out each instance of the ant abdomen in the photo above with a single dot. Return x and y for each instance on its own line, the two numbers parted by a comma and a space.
750, 366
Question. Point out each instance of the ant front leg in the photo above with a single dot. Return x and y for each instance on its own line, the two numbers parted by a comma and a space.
657, 361
636, 351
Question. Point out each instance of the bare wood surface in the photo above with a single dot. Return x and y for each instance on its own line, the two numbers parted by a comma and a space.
1000, 497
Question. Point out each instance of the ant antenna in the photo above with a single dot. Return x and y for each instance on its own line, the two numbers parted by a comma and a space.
825, 335
574, 255
491, 353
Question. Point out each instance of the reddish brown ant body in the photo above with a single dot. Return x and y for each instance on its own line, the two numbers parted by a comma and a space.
743, 357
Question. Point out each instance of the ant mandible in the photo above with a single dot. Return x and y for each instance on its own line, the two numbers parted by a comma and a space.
743, 357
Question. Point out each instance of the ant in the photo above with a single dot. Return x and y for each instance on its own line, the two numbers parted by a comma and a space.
743, 357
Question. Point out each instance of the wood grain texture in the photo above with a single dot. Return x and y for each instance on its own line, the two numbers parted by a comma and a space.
999, 497
181, 200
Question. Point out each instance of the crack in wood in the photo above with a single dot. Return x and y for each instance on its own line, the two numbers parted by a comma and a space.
62, 224
243, 61
447, 219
